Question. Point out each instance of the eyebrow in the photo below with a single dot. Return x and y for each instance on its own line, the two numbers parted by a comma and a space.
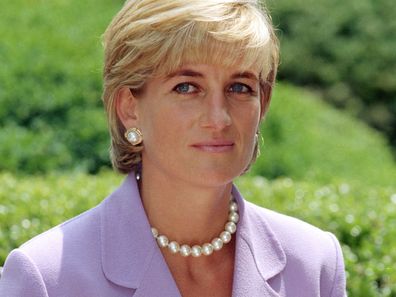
246, 74
184, 72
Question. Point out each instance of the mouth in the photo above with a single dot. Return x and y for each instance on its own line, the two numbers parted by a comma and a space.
215, 146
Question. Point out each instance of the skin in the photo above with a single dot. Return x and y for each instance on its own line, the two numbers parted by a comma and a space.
199, 126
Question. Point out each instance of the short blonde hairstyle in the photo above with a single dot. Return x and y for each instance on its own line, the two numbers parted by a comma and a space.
151, 37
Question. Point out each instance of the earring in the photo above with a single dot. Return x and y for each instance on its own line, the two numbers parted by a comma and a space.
258, 138
134, 136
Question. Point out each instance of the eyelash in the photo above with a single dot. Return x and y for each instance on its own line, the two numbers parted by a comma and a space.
249, 89
176, 89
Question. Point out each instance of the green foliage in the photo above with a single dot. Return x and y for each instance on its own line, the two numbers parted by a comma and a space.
344, 48
304, 138
51, 113
363, 218
31, 205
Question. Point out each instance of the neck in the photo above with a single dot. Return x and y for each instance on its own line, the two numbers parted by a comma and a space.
182, 211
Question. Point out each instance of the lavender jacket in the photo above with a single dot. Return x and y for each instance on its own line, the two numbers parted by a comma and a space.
110, 251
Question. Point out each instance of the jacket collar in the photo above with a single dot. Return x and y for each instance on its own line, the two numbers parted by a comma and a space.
131, 258
258, 255
130, 255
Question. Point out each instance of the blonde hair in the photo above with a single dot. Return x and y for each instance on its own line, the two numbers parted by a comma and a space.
150, 37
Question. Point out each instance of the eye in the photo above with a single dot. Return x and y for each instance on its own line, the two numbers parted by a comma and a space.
185, 88
240, 88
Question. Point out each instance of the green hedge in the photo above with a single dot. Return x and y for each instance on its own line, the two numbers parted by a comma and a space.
305, 139
51, 112
344, 48
363, 218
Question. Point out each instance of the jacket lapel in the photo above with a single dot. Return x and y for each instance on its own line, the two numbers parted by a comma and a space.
157, 280
130, 256
258, 255
132, 259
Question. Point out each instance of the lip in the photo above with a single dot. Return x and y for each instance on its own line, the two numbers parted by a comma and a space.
214, 146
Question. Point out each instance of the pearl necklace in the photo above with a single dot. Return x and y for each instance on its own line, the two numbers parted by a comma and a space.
206, 249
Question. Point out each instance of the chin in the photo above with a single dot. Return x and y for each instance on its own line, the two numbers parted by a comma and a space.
215, 177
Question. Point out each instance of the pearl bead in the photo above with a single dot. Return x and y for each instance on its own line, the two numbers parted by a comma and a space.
162, 240
133, 136
185, 250
196, 251
217, 244
155, 232
233, 217
230, 227
207, 249
225, 236
174, 247
233, 206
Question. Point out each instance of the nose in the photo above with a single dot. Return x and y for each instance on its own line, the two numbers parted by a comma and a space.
215, 112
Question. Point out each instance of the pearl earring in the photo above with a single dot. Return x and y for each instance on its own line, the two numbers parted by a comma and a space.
134, 136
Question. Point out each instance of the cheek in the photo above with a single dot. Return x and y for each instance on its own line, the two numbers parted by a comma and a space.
248, 118
163, 125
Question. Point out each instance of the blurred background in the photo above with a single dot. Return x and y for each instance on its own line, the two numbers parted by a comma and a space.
329, 140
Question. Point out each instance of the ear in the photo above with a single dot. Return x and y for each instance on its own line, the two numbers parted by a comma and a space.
265, 98
266, 93
126, 107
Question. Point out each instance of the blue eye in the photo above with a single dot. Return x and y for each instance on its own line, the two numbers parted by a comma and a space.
240, 88
185, 88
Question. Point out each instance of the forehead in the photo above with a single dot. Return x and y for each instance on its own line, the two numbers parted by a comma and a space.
221, 57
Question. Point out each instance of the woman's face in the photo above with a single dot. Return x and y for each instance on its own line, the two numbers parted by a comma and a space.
199, 123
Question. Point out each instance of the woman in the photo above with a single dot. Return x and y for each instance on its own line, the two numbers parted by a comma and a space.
186, 84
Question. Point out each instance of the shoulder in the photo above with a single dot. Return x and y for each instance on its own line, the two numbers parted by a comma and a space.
292, 233
48, 260
312, 255
82, 229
